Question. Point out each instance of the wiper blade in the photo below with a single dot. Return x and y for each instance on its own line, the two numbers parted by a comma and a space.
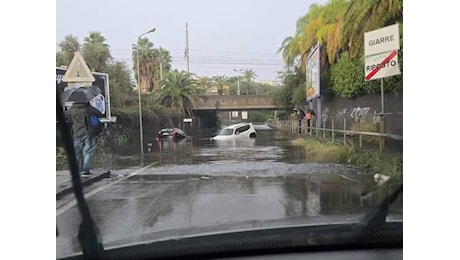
88, 236
376, 218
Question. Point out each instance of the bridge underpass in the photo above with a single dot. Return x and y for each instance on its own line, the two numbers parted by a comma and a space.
237, 103
230, 109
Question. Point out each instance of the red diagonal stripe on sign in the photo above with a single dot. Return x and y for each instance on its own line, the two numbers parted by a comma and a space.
387, 59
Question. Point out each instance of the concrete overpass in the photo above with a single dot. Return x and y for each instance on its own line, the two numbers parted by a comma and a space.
242, 102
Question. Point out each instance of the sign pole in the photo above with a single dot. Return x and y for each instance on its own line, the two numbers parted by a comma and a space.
382, 127
318, 113
381, 60
382, 95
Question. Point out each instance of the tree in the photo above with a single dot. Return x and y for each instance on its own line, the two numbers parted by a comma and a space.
68, 47
339, 27
163, 61
203, 83
366, 15
321, 25
220, 82
178, 91
293, 91
147, 58
249, 75
120, 82
96, 52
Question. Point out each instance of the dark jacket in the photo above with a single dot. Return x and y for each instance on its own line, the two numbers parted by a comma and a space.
78, 114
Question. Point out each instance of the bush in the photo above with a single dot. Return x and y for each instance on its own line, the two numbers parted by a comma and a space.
318, 151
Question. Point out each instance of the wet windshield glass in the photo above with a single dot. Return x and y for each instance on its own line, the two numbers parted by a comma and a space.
226, 131
162, 95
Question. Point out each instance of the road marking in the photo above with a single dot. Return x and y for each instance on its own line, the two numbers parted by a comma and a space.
91, 193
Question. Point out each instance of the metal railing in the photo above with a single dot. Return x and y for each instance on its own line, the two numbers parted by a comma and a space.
360, 131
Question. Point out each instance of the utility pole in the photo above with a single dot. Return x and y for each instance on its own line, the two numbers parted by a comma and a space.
187, 49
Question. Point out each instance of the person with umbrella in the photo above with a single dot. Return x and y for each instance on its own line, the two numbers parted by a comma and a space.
79, 117
300, 114
308, 116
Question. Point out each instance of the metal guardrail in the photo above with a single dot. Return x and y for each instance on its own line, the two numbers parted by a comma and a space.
356, 127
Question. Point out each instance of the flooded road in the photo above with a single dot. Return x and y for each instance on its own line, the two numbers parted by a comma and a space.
197, 186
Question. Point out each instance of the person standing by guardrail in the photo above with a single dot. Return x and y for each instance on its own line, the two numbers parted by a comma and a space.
308, 116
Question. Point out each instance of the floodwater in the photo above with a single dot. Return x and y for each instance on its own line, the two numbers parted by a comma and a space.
270, 150
196, 186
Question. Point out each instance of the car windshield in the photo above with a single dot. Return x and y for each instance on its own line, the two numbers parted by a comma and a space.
226, 131
313, 89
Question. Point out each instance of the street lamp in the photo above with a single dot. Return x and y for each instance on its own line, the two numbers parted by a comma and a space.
139, 94
238, 93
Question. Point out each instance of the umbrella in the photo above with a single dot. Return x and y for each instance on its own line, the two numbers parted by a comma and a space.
309, 110
80, 94
300, 113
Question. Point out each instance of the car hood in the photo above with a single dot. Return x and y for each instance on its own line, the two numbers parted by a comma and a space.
251, 235
240, 226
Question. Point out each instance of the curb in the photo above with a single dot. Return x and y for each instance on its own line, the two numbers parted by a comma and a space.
84, 183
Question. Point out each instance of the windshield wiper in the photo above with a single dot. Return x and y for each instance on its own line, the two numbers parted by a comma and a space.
88, 235
373, 221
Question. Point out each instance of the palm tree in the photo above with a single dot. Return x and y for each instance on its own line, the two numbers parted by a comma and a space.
220, 82
295, 47
323, 25
249, 75
146, 63
178, 91
96, 52
203, 83
329, 32
68, 47
366, 15
163, 61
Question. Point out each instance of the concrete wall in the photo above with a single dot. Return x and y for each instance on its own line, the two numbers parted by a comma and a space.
367, 108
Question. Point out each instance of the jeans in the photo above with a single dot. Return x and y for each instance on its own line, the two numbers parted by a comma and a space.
84, 148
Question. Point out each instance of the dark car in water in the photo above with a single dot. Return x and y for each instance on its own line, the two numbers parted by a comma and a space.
171, 133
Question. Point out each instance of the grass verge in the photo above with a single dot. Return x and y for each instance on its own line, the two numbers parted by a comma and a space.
319, 151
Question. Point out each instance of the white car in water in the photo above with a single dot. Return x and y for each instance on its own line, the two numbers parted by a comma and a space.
236, 131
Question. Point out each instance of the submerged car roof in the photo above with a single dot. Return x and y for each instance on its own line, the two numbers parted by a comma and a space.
238, 125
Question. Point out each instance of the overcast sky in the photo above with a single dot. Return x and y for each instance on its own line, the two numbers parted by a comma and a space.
223, 35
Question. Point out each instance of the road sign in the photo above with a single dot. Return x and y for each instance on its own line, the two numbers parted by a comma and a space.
381, 65
78, 71
381, 40
101, 81
244, 115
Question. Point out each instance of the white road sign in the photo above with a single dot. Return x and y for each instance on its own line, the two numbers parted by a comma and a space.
381, 40
244, 114
381, 65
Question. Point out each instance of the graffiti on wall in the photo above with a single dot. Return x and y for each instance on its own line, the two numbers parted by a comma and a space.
356, 113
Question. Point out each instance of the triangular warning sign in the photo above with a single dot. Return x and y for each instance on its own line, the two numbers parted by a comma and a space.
78, 70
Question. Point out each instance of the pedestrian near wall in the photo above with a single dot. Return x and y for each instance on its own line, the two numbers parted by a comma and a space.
309, 116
